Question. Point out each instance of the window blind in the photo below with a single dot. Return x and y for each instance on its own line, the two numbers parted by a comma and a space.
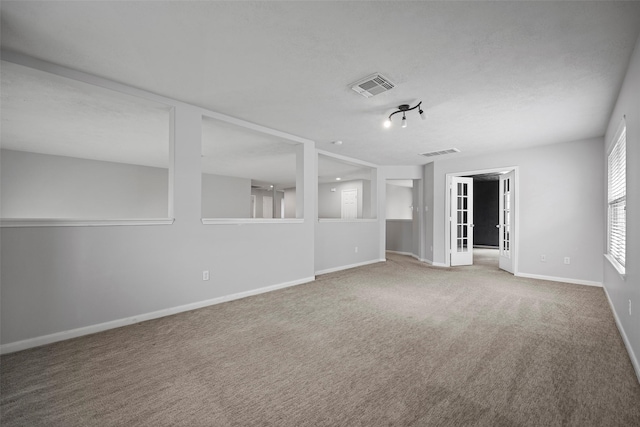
617, 196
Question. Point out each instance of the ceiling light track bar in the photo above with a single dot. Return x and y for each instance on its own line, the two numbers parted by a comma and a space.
403, 109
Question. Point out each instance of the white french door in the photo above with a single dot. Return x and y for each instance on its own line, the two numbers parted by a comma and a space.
507, 217
461, 221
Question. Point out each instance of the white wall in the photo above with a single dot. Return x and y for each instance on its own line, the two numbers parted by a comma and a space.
429, 205
560, 192
59, 282
418, 217
400, 236
290, 203
45, 186
399, 202
336, 240
336, 243
619, 290
225, 197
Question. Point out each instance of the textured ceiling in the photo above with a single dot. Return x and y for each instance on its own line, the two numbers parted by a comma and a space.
491, 75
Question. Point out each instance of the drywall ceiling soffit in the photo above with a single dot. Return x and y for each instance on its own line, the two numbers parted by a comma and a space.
401, 182
491, 75
330, 168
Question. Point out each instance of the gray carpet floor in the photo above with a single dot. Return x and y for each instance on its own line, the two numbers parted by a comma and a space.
398, 343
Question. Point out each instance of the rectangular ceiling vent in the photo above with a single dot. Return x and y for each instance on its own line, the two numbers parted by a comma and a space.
372, 85
440, 153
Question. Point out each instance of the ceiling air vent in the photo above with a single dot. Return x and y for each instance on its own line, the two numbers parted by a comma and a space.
372, 85
440, 153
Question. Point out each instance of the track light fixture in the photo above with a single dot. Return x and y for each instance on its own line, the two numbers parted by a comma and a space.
403, 109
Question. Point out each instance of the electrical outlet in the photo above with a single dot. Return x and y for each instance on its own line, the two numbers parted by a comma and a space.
567, 260
543, 258
356, 249
205, 275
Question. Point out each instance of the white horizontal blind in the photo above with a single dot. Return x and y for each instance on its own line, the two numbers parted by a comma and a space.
617, 196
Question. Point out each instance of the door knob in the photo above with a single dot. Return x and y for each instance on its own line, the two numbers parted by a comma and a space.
497, 225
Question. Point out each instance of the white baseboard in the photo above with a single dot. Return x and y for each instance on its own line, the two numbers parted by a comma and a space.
401, 253
346, 267
627, 344
435, 264
560, 279
426, 261
87, 330
411, 254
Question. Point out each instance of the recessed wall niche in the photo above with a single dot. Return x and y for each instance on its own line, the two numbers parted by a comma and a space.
72, 150
248, 174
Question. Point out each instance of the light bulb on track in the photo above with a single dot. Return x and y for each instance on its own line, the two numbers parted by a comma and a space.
403, 109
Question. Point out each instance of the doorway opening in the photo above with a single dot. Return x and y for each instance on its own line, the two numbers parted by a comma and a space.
482, 218
403, 217
400, 235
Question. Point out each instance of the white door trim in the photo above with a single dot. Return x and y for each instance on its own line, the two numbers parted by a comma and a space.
447, 206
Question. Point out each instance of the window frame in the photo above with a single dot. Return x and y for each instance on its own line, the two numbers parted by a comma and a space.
617, 198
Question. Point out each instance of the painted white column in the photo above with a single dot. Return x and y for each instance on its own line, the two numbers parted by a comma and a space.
187, 171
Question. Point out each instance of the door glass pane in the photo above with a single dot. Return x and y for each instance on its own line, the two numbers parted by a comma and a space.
506, 216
